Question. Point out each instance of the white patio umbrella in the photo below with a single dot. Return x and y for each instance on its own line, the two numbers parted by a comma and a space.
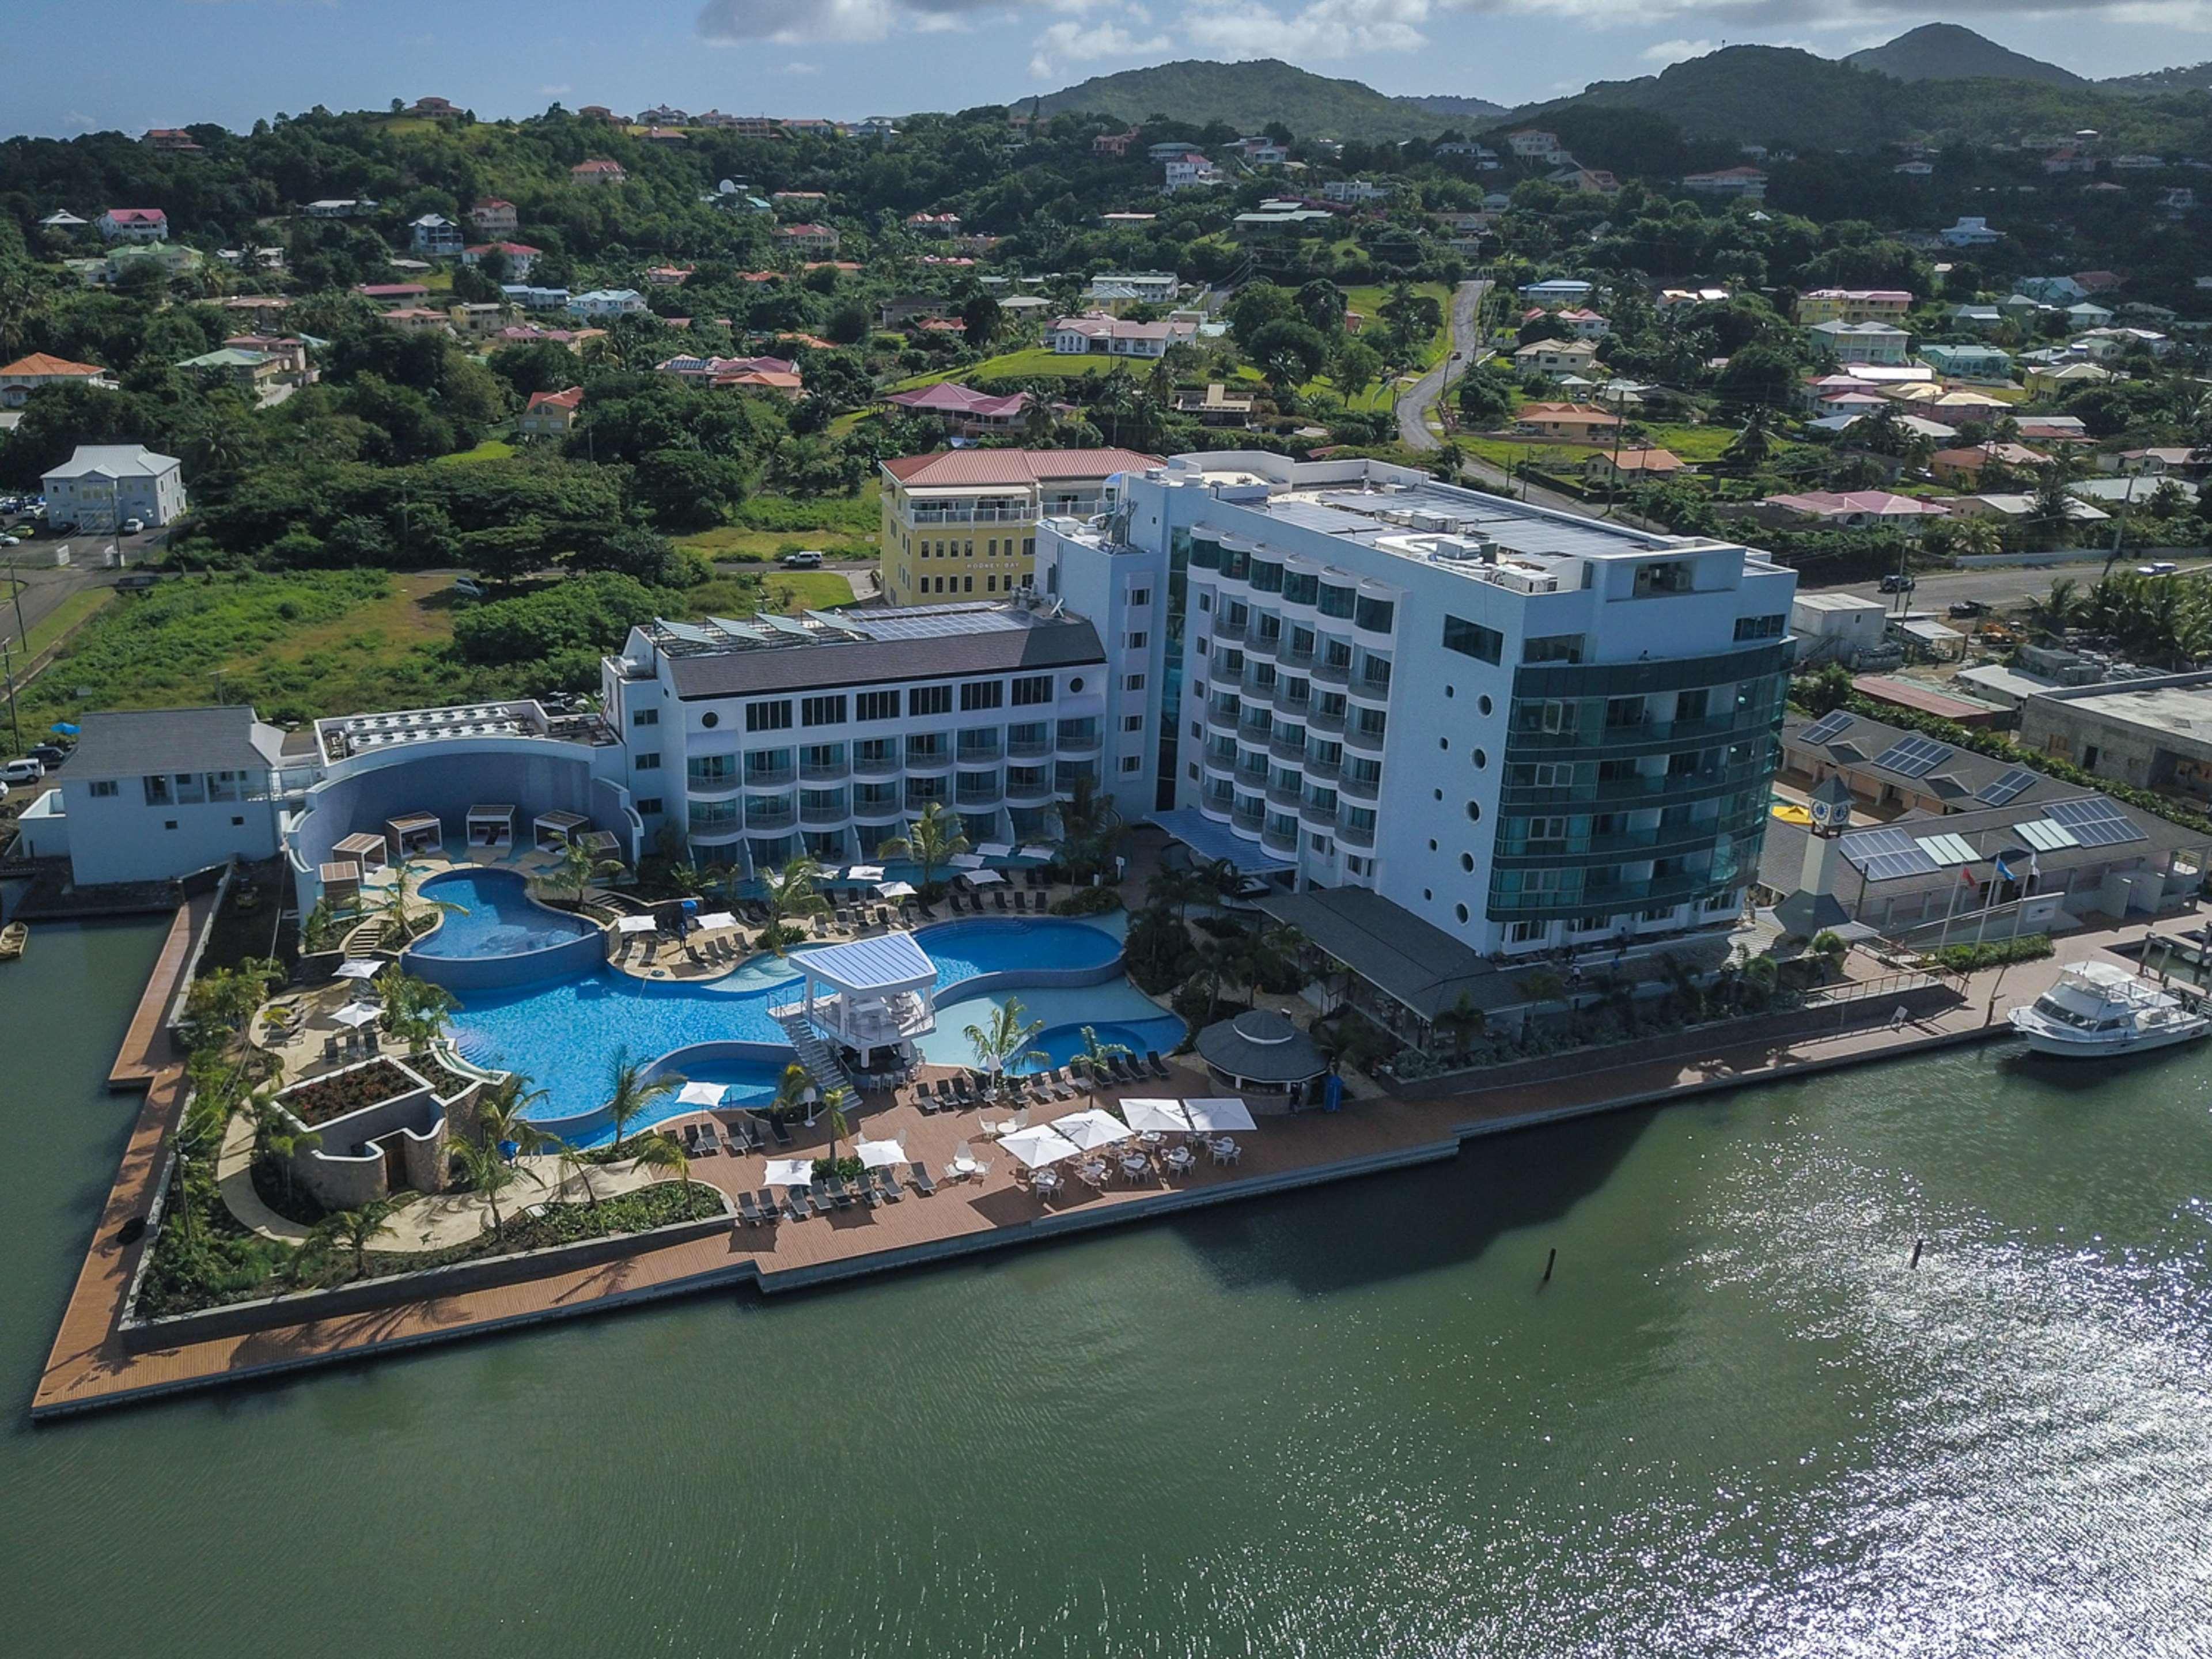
966, 860
1093, 1129
1160, 1116
358, 1014
896, 889
996, 849
701, 1094
716, 919
984, 877
789, 1171
359, 968
636, 925
1039, 1145
880, 1154
1044, 853
1220, 1113
865, 873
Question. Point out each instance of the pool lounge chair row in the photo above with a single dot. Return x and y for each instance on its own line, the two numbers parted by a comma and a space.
874, 1189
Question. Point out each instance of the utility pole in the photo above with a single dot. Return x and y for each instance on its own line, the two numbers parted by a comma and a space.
7, 665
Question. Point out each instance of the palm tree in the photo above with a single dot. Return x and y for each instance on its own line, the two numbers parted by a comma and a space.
574, 1159
1220, 962
663, 1154
1004, 1040
930, 841
834, 1102
395, 905
280, 1136
1753, 443
789, 893
630, 1095
219, 1012
488, 1172
1090, 826
2050, 618
1461, 1022
355, 1229
1177, 889
580, 867
791, 1089
499, 1120
1094, 1055
415, 1009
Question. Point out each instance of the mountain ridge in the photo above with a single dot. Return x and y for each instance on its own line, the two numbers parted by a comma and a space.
1250, 93
1948, 51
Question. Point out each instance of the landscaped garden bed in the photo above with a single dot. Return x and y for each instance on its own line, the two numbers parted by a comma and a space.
323, 1099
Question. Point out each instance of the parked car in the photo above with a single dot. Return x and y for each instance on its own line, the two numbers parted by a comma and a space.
805, 559
1969, 608
132, 526
1894, 583
2163, 568
468, 587
50, 754
11, 541
22, 771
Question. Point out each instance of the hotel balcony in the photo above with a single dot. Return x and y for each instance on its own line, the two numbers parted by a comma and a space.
1288, 745
766, 819
1223, 713
826, 772
1246, 821
1367, 738
716, 787
1028, 789
879, 765
1326, 672
989, 794
1282, 840
821, 814
879, 809
1318, 811
1257, 726
1321, 770
1322, 719
977, 754
1257, 644
1351, 783
1354, 835
770, 777
1293, 698
1077, 739
919, 759
1224, 629
969, 512
1028, 748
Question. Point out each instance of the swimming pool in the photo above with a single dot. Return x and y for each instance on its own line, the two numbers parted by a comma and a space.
1118, 1014
564, 1035
497, 918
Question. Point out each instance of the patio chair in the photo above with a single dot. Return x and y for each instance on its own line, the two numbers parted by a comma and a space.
818, 1190
331, 1046
917, 1173
1062, 1089
795, 1205
710, 1138
999, 898
925, 1098
748, 1211
1159, 1067
962, 1092
868, 1193
780, 1130
1124, 1071
841, 1191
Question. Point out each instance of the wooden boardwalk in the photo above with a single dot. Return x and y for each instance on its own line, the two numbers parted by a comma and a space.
89, 1367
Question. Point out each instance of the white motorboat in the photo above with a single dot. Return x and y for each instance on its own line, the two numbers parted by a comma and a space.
2099, 1008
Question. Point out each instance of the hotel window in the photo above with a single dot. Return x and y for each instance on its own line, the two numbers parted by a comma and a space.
1028, 546
970, 588
1375, 616
645, 717
1552, 648
1301, 587
648, 805
981, 694
768, 716
104, 788
875, 706
157, 790
1134, 683
649, 761
924, 700
990, 583
1672, 576
1760, 628
1131, 763
1523, 933
823, 711
991, 548
1138, 642
1132, 722
1140, 596
1473, 639
1032, 689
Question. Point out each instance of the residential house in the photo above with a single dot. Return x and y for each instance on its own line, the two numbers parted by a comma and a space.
2179, 459
534, 299
963, 522
777, 374
2053, 290
669, 276
1261, 152
1578, 321
433, 108
2057, 379
1533, 144
551, 414
1747, 182
1269, 219
134, 225
902, 309
1669, 298
1214, 406
1963, 468
597, 172
1556, 358
932, 224
171, 259
1853, 305
19, 378
607, 302
807, 201
1970, 232
1466, 150
2054, 428
1914, 169
663, 115
1855, 509
1168, 150
1113, 144
477, 319
417, 319
495, 218
1977, 317
1554, 292
1115, 290
436, 235
1566, 422
2177, 202
1096, 331
100, 485
1861, 343
808, 239
2101, 344
964, 411
1191, 171
2086, 313
290, 352
1628, 467
392, 293
1983, 363
2013, 505
2068, 160
1355, 191
521, 258
339, 207
256, 374
63, 220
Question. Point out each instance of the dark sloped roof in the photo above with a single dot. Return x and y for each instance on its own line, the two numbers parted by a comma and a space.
1858, 743
871, 662
1262, 1045
135, 742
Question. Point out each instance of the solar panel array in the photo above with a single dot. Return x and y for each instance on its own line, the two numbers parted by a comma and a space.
1828, 728
2096, 822
1913, 757
1949, 850
1886, 855
2007, 789
2045, 836
938, 625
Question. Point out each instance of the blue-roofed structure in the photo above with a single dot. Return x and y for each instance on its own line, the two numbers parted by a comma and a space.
872, 994
1215, 841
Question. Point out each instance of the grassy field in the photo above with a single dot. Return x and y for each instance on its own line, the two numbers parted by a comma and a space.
66, 615
491, 449
842, 527
1030, 361
786, 591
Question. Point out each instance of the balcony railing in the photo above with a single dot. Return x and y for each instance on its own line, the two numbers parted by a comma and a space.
1257, 644
1028, 748
1078, 743
1643, 737
1288, 745
1352, 783
979, 513
824, 812
1322, 719
1281, 839
1354, 835
978, 754
1318, 811
927, 760
825, 771
922, 803
1316, 768
1028, 790
770, 777
1369, 738
712, 787
877, 808
876, 765
1247, 821
1224, 629
770, 818
1257, 725
1286, 795
1332, 673
1680, 789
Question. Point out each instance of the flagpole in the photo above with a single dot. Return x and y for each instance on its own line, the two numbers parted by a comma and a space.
1996, 882
1950, 909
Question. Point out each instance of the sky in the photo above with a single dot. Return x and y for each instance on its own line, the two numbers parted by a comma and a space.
171, 62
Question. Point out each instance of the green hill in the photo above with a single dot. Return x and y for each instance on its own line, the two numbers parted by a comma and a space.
1945, 51
2190, 77
1453, 105
1247, 96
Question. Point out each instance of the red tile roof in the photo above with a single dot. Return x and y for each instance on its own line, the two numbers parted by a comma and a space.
41, 363
1013, 467
572, 399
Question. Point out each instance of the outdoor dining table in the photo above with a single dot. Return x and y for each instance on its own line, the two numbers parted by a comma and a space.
1225, 1151
1045, 1180
964, 1166
1094, 1172
1179, 1159
1136, 1165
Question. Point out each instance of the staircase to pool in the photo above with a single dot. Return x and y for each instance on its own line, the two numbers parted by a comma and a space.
820, 1059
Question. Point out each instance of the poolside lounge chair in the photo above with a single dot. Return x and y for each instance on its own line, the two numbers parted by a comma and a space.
839, 1191
1159, 1067
962, 1092
748, 1210
818, 1190
795, 1205
887, 1183
1056, 1080
1122, 1071
925, 1098
919, 1174
780, 1130
999, 898
710, 1138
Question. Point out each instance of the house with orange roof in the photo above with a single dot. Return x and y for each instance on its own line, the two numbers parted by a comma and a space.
551, 414
19, 378
1631, 466
597, 172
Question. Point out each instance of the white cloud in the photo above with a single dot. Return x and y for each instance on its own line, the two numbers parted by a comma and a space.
1072, 43
727, 22
1673, 52
554, 90
1321, 29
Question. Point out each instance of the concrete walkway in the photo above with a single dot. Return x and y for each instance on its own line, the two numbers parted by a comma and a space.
234, 1178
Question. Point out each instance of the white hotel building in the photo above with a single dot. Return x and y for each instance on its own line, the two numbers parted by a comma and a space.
1525, 727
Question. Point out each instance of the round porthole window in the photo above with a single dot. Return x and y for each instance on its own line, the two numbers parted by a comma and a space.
1460, 910
1445, 743
1474, 812
1438, 793
1483, 705
1426, 894
1481, 759
1451, 692
710, 720
1075, 684
1466, 862
1432, 847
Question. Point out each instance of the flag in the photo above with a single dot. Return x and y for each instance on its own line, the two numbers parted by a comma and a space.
2005, 871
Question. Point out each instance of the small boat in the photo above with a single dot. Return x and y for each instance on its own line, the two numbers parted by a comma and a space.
2100, 1008
12, 938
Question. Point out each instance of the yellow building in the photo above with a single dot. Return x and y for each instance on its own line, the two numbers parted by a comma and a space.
964, 523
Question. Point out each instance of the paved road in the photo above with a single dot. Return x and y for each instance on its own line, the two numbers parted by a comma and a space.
1413, 402
2004, 587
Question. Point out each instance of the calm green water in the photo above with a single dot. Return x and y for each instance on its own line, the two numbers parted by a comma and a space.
1346, 1423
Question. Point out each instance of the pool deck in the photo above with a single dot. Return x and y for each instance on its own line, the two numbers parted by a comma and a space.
90, 1368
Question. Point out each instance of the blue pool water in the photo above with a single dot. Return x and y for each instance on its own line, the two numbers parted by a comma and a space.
500, 919
564, 1035
1118, 1013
